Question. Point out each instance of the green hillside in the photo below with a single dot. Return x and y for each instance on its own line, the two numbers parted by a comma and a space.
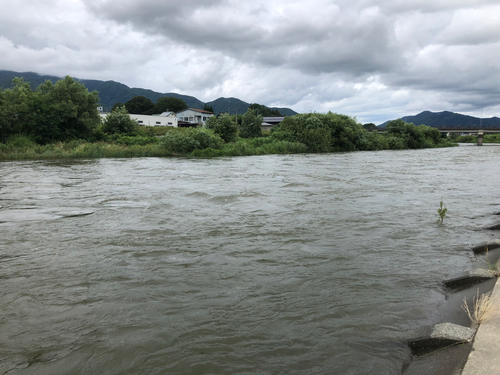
111, 92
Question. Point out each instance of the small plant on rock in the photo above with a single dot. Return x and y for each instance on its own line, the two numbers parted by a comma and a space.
442, 211
492, 267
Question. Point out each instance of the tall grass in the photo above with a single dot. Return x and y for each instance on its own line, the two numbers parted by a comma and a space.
254, 146
80, 150
483, 308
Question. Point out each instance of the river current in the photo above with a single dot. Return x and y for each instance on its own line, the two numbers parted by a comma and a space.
295, 264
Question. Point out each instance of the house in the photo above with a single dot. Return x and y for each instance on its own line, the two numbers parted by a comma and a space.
165, 119
194, 116
269, 122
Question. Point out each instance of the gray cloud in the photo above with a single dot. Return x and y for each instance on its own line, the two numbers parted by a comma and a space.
368, 58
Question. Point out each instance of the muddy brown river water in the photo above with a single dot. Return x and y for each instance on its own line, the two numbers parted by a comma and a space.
302, 264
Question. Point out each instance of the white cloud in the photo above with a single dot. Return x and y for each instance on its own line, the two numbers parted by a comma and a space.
372, 59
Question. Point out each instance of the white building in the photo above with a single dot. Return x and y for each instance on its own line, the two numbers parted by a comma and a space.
165, 119
194, 116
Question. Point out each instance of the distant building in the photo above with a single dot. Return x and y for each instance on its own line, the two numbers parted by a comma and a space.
100, 109
194, 116
165, 119
269, 122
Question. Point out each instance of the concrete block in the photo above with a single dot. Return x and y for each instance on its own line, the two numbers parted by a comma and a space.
442, 335
469, 278
495, 226
486, 246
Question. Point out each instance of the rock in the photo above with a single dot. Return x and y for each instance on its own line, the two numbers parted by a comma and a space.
485, 246
442, 335
472, 277
495, 226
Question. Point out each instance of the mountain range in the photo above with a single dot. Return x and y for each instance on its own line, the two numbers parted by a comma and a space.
111, 92
448, 119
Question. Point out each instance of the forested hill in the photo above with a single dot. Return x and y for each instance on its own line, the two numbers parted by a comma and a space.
111, 92
448, 119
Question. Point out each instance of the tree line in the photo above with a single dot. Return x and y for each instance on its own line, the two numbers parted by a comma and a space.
140, 105
66, 111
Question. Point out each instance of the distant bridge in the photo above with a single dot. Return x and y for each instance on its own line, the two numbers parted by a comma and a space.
473, 130
469, 129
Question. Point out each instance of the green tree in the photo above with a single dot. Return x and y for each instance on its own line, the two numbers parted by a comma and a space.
370, 126
119, 121
116, 105
396, 127
169, 103
264, 111
44, 125
57, 112
208, 108
15, 109
251, 125
5, 128
74, 106
322, 132
412, 136
223, 126
140, 105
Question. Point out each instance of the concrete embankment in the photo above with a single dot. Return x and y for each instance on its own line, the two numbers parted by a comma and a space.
484, 357
458, 346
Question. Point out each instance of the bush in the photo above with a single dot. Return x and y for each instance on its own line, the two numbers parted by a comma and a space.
188, 140
251, 125
322, 132
119, 121
396, 143
411, 136
20, 142
223, 126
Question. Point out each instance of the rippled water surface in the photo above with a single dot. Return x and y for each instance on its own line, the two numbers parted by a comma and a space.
303, 264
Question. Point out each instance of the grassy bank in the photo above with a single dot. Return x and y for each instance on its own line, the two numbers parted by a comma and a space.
90, 150
22, 148
307, 133
79, 150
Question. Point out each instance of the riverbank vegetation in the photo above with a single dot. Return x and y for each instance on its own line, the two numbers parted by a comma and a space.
61, 121
487, 138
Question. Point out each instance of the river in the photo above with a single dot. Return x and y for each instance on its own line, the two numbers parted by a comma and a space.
278, 264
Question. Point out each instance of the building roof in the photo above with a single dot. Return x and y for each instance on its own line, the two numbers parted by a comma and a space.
196, 110
273, 119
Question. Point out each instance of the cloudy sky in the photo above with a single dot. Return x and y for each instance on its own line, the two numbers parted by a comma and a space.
373, 59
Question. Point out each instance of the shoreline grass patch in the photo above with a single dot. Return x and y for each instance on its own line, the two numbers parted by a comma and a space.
483, 308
